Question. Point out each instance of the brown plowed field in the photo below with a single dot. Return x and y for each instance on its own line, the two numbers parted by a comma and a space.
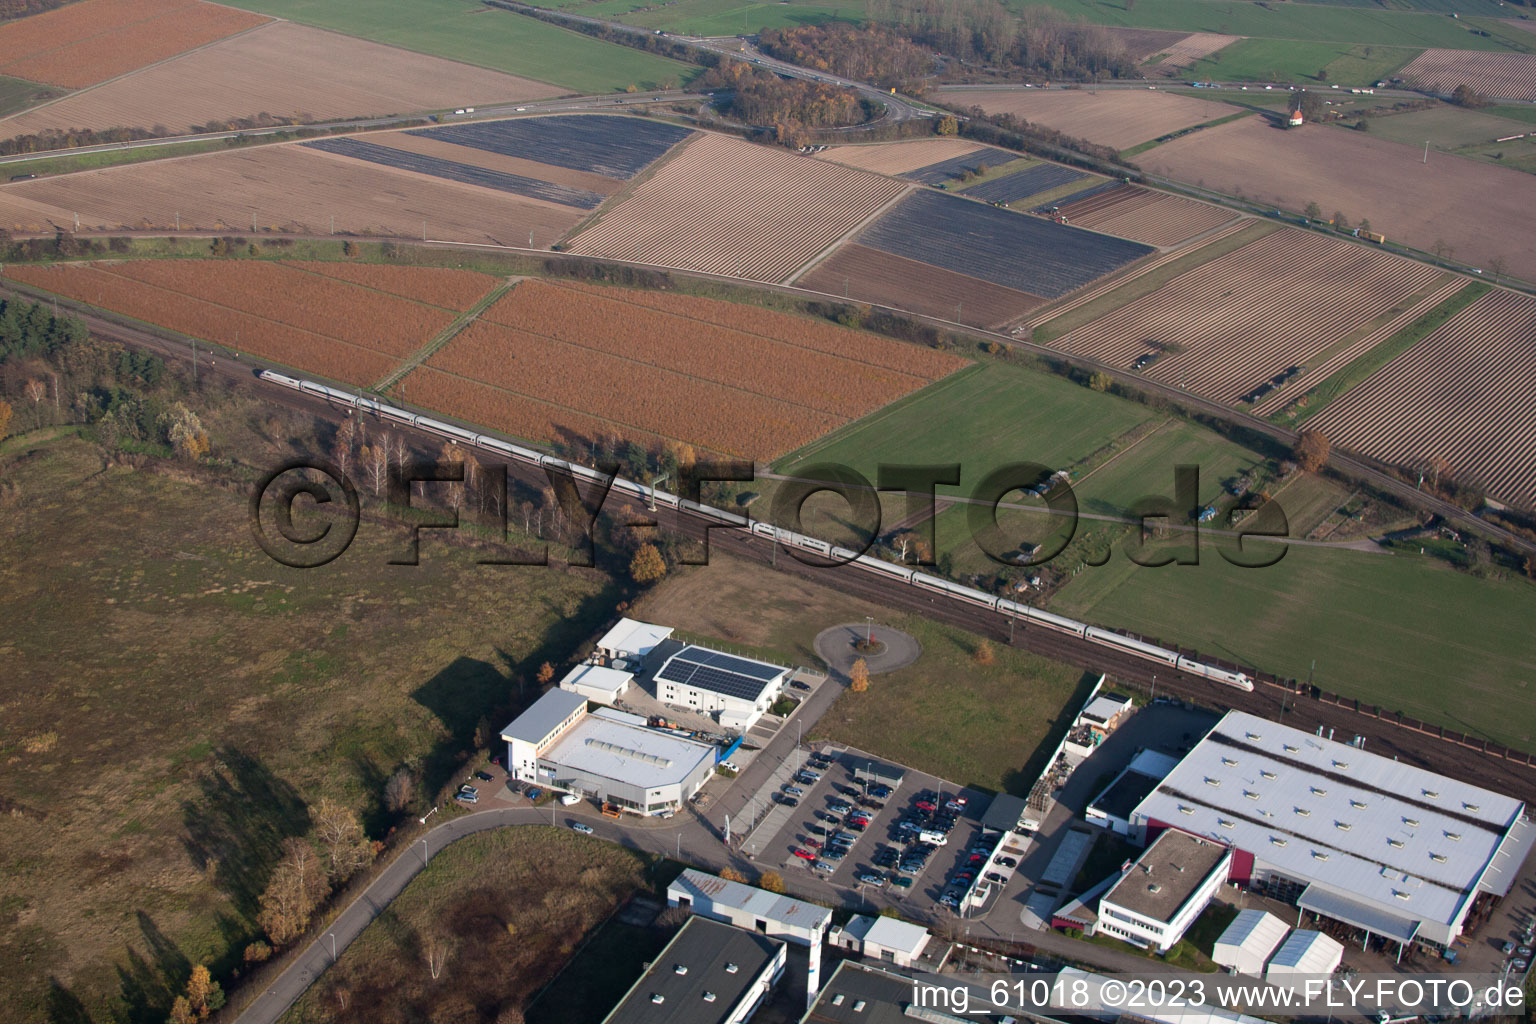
1466, 394
285, 70
309, 321
1481, 211
725, 206
289, 188
1146, 215
94, 40
623, 368
436, 286
899, 157
869, 275
1119, 118
1248, 315
1510, 76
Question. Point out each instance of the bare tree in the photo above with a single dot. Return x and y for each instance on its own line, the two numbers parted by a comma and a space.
400, 790
375, 460
436, 951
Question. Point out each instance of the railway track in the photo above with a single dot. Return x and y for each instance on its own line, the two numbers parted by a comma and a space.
1266, 700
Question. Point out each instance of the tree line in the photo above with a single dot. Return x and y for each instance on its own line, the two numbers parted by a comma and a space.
788, 107
867, 53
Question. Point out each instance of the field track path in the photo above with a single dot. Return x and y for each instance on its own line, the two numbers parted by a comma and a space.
446, 335
837, 243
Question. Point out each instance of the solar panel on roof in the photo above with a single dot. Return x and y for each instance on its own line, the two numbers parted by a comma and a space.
717, 671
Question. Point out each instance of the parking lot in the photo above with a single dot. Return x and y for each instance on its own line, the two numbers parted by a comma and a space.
832, 803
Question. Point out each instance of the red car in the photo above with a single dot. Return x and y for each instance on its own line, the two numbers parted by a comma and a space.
814, 844
803, 854
976, 858
924, 805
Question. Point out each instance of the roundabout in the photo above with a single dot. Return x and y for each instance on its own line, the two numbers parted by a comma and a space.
883, 649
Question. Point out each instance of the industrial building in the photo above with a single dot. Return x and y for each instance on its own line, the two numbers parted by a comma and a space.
1100, 717
631, 641
736, 690
709, 973
1394, 850
1249, 941
888, 939
859, 994
607, 755
1160, 895
755, 910
1114, 807
597, 682
1304, 954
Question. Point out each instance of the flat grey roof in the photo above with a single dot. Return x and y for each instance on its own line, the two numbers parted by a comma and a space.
1125, 794
614, 749
543, 715
1166, 874
705, 948
770, 906
1004, 812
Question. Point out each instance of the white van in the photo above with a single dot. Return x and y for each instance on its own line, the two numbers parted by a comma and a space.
569, 800
932, 837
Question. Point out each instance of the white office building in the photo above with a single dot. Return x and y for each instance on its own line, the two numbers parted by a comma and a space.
736, 690
631, 641
1160, 895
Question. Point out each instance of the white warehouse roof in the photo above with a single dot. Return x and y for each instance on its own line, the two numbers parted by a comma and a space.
1307, 952
697, 886
554, 707
615, 749
1413, 844
1249, 940
889, 933
596, 679
631, 636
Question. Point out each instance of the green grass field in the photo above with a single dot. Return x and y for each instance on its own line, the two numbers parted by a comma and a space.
982, 418
725, 17
1296, 21
1445, 127
46, 166
1291, 60
468, 31
1400, 630
19, 94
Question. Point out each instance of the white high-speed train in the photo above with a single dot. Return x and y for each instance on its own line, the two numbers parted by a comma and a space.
866, 562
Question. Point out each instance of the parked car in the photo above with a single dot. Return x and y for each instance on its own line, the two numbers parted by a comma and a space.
880, 791
802, 854
789, 801
570, 800
814, 844
840, 807
584, 829
485, 776
1524, 951
827, 817
471, 790
900, 882
816, 830
729, 766
857, 826
924, 805
534, 792
466, 798
1007, 862
993, 876
793, 790
1508, 949
798, 685
834, 853
870, 878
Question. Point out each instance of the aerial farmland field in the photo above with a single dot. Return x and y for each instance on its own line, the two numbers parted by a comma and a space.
469, 31
1510, 76
1145, 215
1012, 250
91, 41
315, 322
1029, 182
1232, 324
1466, 395
1118, 118
282, 69
617, 147
553, 362
724, 206
280, 188
899, 157
1477, 211
863, 274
